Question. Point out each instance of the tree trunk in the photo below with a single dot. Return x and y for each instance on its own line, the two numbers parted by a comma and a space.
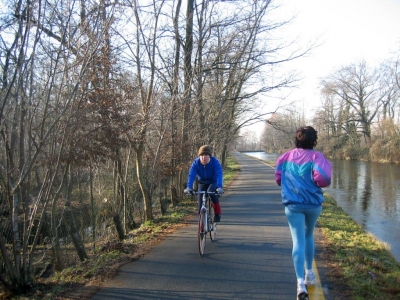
119, 226
69, 222
148, 211
92, 205
188, 75
58, 265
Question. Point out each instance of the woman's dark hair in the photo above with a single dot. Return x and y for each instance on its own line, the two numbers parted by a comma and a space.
306, 138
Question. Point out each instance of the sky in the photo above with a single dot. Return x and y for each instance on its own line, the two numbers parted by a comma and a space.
349, 31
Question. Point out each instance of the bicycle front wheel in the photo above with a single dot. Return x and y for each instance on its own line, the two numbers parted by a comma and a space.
202, 233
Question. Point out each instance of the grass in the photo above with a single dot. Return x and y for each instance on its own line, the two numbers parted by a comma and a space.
231, 170
365, 263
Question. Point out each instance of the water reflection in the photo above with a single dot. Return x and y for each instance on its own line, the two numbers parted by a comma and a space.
369, 193
263, 156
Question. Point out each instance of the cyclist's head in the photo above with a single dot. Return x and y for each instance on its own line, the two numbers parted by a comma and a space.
306, 137
205, 154
205, 150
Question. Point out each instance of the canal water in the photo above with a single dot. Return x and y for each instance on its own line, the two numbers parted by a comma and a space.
369, 193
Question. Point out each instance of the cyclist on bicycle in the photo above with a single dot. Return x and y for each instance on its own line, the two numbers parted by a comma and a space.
208, 171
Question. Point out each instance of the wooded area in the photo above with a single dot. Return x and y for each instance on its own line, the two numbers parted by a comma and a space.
359, 116
103, 107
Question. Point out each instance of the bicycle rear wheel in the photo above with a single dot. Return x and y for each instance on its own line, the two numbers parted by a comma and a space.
212, 225
201, 237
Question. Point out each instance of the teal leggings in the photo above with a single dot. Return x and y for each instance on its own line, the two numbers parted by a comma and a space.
302, 222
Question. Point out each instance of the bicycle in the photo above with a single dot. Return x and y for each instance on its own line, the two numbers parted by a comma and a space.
206, 222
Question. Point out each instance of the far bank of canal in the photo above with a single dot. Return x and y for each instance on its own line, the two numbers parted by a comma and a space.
369, 193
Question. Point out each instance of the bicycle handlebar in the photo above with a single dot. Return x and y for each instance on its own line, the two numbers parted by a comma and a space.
203, 192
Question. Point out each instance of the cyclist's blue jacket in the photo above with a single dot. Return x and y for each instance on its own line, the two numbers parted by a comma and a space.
210, 173
302, 173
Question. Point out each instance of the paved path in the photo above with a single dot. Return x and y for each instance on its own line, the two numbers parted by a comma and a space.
251, 258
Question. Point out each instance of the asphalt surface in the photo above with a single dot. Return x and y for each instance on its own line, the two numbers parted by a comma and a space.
250, 259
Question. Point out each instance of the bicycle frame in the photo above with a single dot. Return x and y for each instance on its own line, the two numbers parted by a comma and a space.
205, 220
204, 211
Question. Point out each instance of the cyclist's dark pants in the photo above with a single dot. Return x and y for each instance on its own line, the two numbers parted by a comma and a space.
214, 198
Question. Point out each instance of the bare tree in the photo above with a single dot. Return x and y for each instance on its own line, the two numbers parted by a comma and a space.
40, 84
232, 55
359, 87
390, 88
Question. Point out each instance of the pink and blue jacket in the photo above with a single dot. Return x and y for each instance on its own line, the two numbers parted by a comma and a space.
302, 173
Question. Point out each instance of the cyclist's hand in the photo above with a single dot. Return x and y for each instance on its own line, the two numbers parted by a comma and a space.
220, 191
188, 191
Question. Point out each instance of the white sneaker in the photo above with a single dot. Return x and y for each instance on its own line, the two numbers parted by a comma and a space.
310, 278
302, 293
